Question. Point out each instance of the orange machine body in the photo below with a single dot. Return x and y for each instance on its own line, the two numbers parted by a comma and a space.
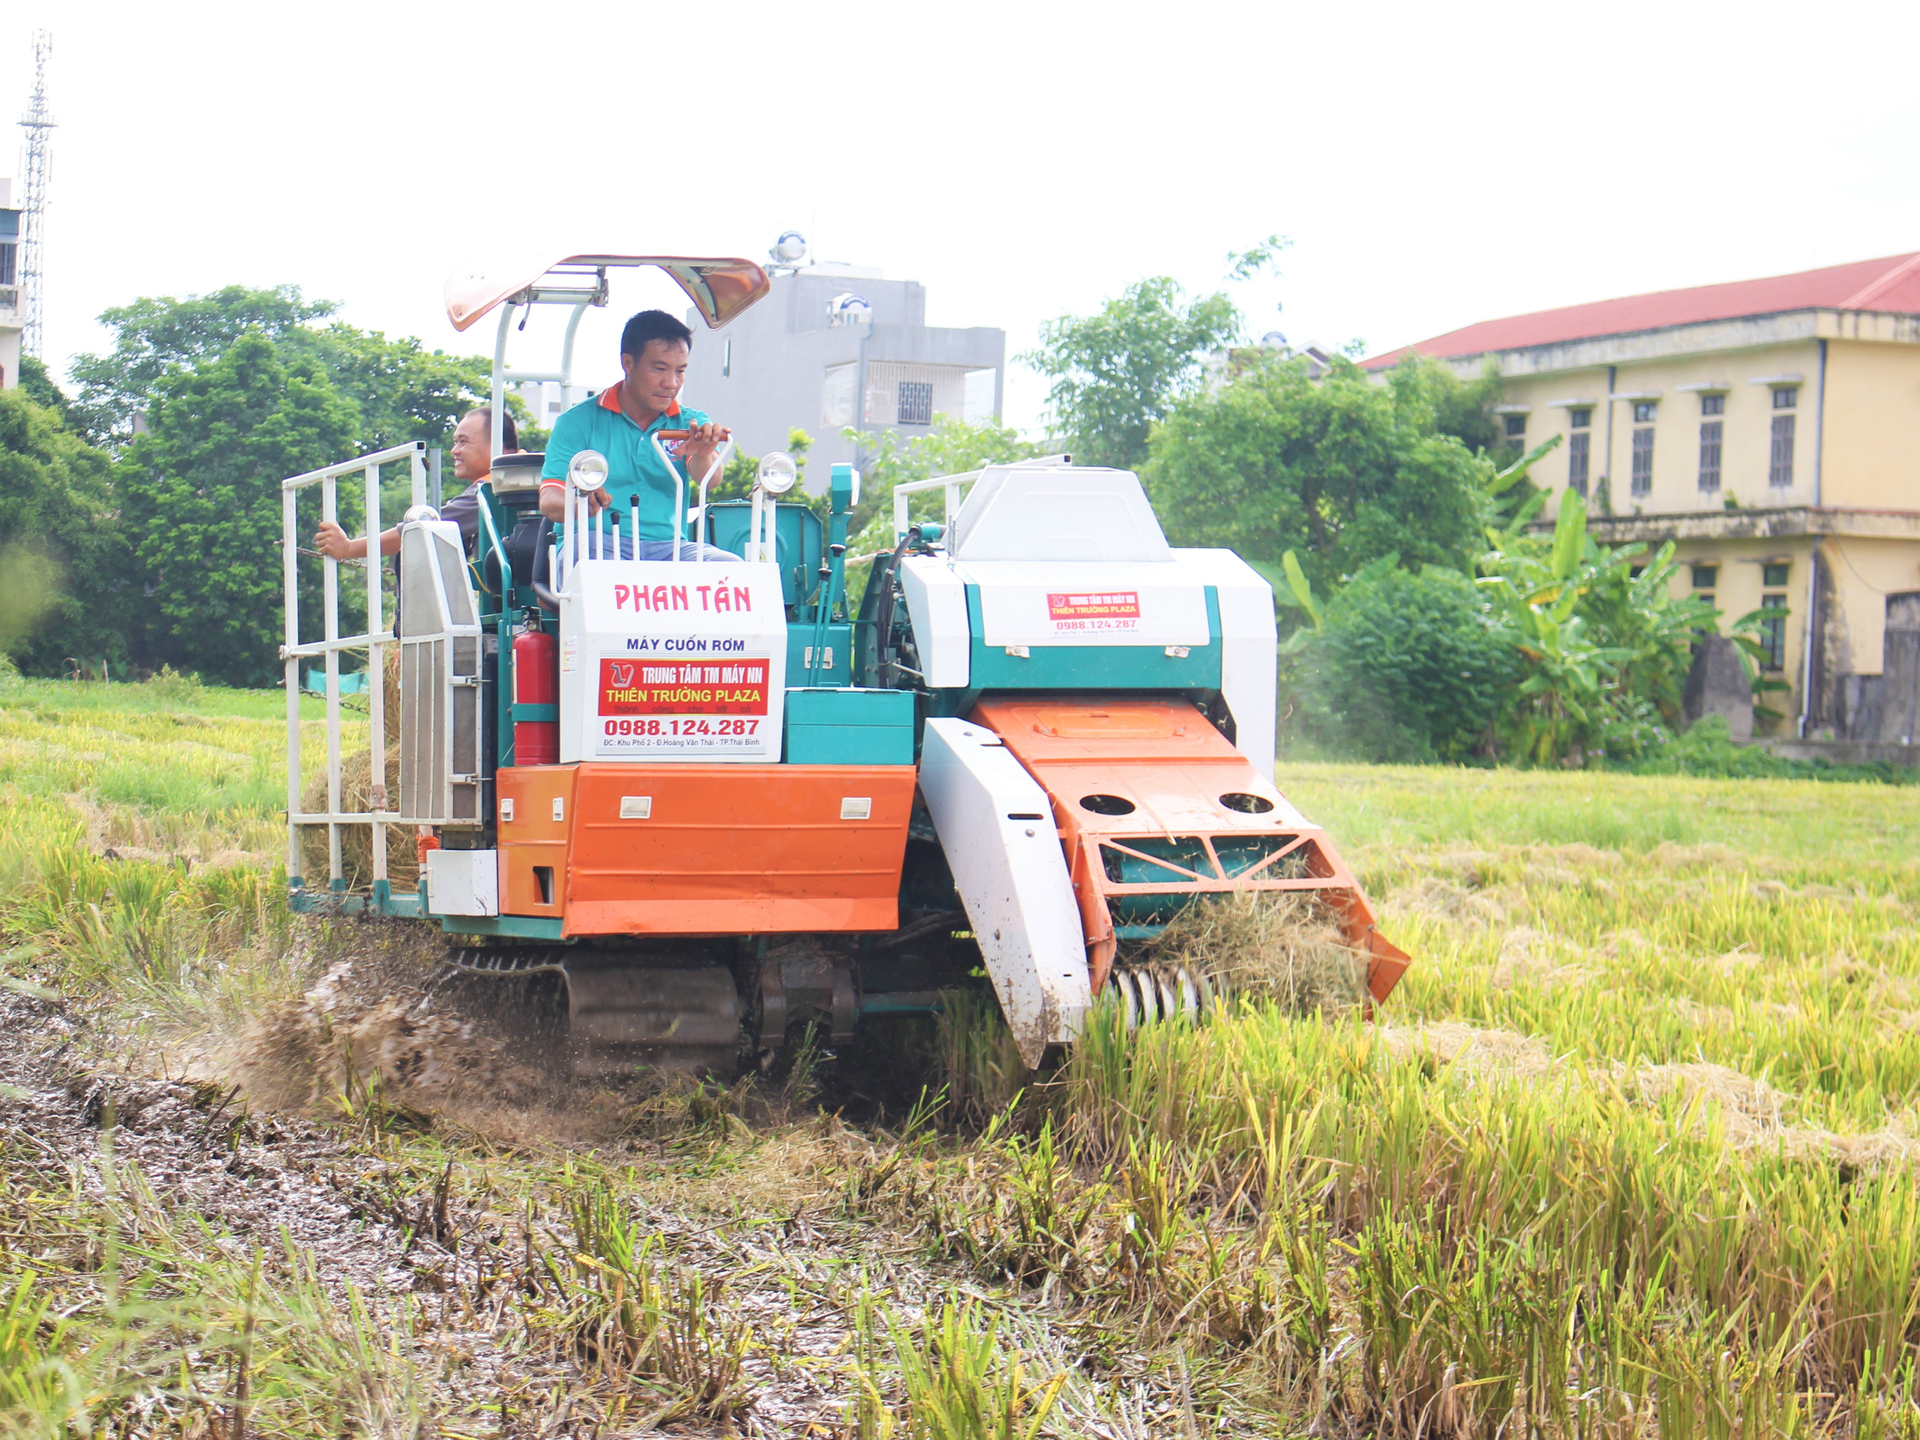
1125, 776
621, 849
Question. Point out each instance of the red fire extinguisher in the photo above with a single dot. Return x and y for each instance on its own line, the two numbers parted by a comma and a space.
536, 681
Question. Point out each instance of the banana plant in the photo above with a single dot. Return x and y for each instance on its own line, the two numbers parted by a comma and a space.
1562, 706
1748, 634
1504, 480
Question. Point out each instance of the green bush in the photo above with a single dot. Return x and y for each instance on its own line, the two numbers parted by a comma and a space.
1407, 668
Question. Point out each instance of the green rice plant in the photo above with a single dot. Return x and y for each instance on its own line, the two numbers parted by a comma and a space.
980, 1065
699, 1349
1033, 1221
1044, 1219
868, 1415
1304, 1331
1888, 1407
612, 1306
174, 1323
958, 1381
40, 1392
629, 1314
1154, 1192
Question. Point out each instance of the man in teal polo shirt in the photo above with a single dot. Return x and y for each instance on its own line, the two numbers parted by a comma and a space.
620, 423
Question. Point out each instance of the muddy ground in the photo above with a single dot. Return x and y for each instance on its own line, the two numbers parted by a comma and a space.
411, 1136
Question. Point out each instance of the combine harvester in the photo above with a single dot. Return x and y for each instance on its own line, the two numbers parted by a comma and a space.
721, 801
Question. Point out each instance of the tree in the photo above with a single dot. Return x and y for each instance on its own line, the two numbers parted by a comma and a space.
158, 335
1404, 668
37, 384
63, 561
1116, 374
1340, 471
402, 390
202, 499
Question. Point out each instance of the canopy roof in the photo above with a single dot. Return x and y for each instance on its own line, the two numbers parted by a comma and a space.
719, 288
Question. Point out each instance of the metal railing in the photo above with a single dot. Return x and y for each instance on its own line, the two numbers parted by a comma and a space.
951, 486
329, 648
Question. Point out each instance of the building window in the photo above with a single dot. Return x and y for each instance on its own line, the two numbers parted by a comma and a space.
6, 264
1773, 632
1713, 404
1643, 412
976, 396
1704, 576
1710, 454
836, 395
916, 403
1580, 419
900, 392
1775, 572
1516, 429
1786, 397
1780, 473
1577, 450
1642, 458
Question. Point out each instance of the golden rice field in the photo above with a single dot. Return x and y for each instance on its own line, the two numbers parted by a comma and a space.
1634, 1150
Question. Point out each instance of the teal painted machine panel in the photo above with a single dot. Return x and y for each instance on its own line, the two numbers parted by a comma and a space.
849, 727
1095, 667
836, 661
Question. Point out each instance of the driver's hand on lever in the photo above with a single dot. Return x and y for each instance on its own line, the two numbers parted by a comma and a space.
702, 441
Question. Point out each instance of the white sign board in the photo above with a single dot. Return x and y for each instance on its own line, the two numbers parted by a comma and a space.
673, 662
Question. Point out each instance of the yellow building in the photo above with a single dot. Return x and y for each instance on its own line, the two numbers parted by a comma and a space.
1772, 429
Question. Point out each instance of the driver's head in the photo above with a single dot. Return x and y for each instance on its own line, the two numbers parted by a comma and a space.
473, 439
653, 354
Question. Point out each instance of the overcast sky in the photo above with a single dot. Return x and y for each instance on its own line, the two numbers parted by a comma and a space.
1433, 164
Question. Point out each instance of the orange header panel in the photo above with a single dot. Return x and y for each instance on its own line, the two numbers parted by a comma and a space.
1146, 770
736, 849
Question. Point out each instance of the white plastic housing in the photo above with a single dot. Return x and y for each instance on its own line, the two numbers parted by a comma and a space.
1249, 649
464, 882
1057, 513
996, 827
937, 605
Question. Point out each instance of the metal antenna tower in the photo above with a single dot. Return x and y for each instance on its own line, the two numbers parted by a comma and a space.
36, 122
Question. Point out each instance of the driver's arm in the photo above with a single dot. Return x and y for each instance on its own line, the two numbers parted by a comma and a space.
553, 501
569, 436
331, 541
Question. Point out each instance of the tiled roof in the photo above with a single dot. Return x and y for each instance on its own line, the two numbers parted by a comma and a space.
1891, 284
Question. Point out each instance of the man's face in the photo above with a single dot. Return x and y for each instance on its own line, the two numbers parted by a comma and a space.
655, 377
472, 439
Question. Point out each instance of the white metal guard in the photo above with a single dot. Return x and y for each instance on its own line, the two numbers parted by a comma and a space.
374, 642
950, 485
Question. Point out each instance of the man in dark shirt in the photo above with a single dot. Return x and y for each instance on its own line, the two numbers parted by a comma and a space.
472, 438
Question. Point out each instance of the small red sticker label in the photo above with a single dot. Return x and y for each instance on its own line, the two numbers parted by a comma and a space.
1094, 610
671, 687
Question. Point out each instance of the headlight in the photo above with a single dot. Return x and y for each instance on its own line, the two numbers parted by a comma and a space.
587, 470
778, 472
418, 513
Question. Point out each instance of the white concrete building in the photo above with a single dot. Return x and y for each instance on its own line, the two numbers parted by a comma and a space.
12, 300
